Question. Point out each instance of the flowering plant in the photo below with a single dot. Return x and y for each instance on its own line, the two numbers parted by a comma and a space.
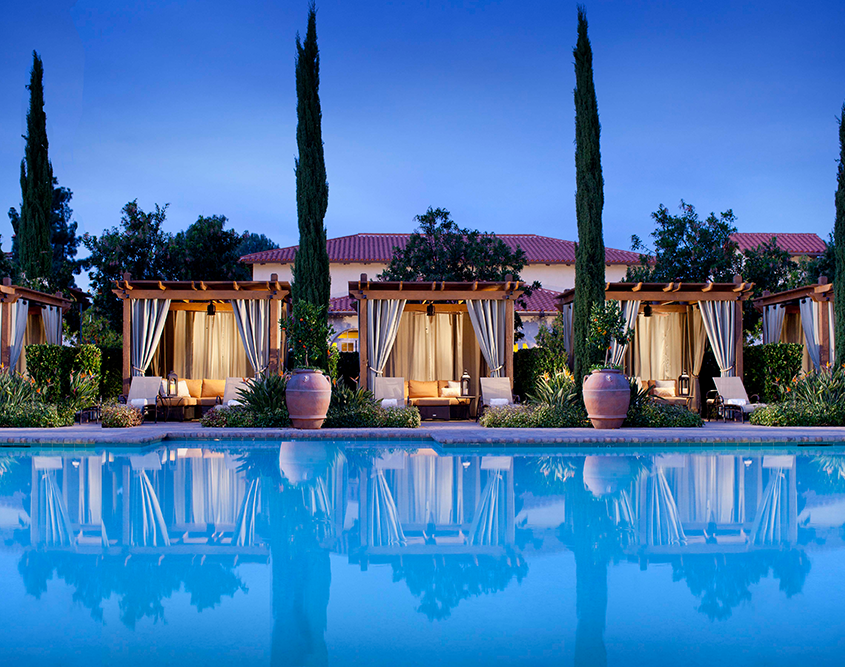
607, 326
308, 336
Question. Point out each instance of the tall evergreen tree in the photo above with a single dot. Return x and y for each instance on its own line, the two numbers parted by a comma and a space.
589, 199
312, 282
36, 253
839, 246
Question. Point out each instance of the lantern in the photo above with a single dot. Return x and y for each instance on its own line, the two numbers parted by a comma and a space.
172, 383
684, 384
465, 383
211, 310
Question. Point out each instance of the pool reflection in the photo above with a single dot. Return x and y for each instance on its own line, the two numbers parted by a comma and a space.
143, 526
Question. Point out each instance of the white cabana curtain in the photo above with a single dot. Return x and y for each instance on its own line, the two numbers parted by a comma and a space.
663, 524
698, 338
52, 316
384, 527
204, 346
253, 319
812, 330
383, 317
488, 524
428, 348
20, 314
148, 318
772, 323
719, 323
630, 310
769, 528
488, 322
244, 532
659, 346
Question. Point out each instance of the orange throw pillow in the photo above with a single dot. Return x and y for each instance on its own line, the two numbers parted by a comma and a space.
422, 389
194, 387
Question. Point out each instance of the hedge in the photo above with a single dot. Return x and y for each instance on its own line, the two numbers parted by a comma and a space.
766, 366
53, 364
111, 372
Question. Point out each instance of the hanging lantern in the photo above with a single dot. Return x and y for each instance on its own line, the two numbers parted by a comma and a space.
684, 384
430, 310
211, 310
172, 383
465, 378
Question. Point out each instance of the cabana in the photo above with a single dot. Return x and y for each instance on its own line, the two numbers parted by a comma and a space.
201, 329
672, 323
804, 315
27, 317
427, 331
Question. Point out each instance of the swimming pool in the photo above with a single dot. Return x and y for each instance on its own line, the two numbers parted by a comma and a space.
317, 553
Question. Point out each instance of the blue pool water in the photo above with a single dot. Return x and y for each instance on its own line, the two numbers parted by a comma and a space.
355, 554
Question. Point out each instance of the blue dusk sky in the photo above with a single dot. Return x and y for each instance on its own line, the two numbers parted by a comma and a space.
462, 105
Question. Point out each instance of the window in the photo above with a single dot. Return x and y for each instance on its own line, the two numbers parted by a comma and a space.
348, 341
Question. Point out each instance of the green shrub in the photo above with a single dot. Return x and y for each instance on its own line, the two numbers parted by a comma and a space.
242, 417
15, 389
121, 416
769, 366
663, 415
551, 351
526, 370
557, 390
51, 366
32, 415
535, 416
111, 372
816, 399
404, 417
265, 393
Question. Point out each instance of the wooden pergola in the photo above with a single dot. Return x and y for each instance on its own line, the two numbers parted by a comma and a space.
197, 295
821, 292
675, 296
9, 294
432, 297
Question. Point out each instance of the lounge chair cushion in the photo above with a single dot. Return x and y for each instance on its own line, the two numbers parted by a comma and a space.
432, 401
736, 401
213, 388
498, 402
389, 403
423, 389
194, 387
140, 402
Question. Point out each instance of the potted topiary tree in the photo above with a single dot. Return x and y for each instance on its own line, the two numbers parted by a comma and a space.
607, 393
309, 390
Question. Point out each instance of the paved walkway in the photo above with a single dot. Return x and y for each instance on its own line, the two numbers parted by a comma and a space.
447, 434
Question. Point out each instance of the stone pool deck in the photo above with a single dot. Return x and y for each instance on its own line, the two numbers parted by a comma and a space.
445, 434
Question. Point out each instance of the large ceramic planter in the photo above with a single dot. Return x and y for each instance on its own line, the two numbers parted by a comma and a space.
307, 395
607, 395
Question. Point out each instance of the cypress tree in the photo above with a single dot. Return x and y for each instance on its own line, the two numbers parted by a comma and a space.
839, 248
312, 282
589, 199
35, 226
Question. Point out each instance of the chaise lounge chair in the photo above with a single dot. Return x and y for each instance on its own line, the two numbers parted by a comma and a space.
496, 392
144, 393
390, 391
732, 398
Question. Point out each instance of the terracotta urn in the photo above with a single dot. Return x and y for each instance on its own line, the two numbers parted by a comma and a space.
607, 395
301, 462
606, 475
307, 397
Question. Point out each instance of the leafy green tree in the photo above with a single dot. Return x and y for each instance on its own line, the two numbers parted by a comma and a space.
138, 245
441, 250
252, 242
686, 248
63, 238
312, 280
589, 197
36, 184
839, 243
823, 265
208, 251
770, 269
552, 355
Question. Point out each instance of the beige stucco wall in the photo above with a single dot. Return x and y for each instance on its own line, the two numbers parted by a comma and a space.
558, 277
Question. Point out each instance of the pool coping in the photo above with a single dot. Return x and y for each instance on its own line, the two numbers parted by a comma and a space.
443, 434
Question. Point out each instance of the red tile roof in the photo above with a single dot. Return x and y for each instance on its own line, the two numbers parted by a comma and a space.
541, 300
378, 248
794, 244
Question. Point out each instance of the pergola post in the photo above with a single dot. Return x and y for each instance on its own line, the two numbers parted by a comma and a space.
6, 334
273, 364
363, 339
509, 315
127, 346
740, 342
